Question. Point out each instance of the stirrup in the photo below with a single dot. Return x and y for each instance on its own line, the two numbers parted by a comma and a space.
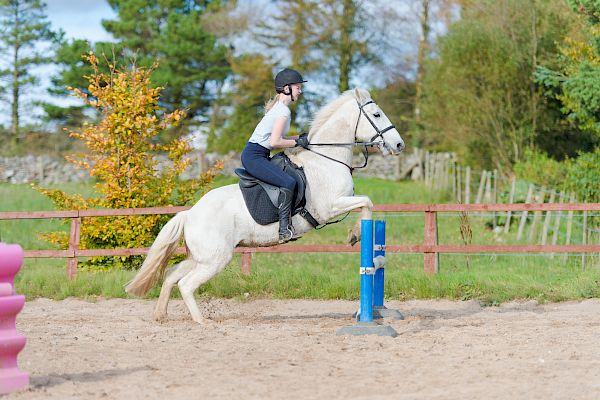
286, 236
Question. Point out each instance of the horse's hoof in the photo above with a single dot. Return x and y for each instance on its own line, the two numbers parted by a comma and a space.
205, 322
352, 238
160, 317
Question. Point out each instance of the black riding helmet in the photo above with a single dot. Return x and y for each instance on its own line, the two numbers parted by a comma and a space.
287, 77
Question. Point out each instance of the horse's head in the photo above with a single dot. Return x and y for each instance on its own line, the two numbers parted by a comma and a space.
372, 125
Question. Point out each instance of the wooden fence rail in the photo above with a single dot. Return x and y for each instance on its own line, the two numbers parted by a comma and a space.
430, 248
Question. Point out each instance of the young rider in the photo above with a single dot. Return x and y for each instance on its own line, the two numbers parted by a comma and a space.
271, 133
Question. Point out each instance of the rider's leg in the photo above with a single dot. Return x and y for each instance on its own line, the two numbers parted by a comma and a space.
255, 160
286, 230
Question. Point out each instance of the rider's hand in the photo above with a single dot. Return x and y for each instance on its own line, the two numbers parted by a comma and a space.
302, 141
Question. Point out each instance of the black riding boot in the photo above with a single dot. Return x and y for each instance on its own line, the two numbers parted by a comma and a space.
286, 230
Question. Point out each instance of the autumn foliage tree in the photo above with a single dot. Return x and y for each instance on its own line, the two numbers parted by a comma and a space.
120, 155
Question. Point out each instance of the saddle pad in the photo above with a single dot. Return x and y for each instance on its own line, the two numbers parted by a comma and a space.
260, 206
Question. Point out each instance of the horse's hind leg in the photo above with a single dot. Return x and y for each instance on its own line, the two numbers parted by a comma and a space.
202, 273
175, 273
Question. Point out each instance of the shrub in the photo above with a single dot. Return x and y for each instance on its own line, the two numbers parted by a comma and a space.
538, 168
584, 177
120, 156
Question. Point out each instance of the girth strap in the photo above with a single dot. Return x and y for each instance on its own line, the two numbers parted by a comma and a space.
307, 216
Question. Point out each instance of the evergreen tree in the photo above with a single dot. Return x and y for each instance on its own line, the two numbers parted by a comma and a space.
25, 29
191, 63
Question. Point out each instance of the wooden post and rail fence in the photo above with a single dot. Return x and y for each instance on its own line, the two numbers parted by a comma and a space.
430, 248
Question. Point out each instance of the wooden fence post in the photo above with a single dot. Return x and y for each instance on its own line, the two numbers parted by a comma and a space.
454, 177
73, 246
495, 196
481, 187
425, 168
511, 200
524, 215
246, 262
431, 259
584, 238
537, 214
547, 220
467, 185
561, 199
487, 193
569, 224
438, 182
459, 197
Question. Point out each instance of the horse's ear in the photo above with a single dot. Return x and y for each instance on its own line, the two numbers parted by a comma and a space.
358, 95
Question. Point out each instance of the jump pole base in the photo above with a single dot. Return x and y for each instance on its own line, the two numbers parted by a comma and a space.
384, 312
367, 328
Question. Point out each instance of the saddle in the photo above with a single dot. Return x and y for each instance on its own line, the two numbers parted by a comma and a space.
261, 198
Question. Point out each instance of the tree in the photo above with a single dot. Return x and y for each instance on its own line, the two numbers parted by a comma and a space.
574, 83
345, 39
296, 27
191, 61
479, 97
25, 29
73, 68
253, 85
423, 50
120, 154
430, 13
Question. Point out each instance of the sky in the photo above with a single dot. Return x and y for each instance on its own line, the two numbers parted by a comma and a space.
80, 19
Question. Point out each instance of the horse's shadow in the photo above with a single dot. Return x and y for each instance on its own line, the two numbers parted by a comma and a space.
46, 381
425, 318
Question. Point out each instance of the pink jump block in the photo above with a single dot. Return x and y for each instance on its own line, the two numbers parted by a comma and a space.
11, 342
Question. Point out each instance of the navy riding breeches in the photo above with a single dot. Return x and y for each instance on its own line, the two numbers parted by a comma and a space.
255, 160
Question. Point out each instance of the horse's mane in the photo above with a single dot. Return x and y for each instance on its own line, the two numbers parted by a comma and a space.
330, 108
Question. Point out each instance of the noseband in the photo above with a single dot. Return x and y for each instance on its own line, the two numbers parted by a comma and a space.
370, 143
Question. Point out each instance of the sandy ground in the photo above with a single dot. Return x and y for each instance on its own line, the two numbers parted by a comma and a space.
265, 349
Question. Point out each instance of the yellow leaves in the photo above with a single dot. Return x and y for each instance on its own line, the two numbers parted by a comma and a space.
578, 51
121, 149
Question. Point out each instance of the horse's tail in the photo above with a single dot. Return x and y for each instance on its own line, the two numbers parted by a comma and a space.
161, 250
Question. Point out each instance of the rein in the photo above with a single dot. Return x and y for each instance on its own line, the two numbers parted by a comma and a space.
370, 143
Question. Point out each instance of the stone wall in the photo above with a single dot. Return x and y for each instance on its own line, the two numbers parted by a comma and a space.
52, 170
39, 169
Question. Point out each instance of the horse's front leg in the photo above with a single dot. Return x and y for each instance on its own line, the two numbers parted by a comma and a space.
349, 203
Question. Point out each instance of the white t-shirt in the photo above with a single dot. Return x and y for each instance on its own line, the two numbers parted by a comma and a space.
263, 130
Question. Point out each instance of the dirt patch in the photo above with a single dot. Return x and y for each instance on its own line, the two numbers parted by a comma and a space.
265, 349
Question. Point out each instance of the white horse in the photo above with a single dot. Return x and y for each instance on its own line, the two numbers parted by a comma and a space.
220, 220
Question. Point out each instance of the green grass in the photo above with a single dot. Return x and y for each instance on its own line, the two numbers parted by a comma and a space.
488, 278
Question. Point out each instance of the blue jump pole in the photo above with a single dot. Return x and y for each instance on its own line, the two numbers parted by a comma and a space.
367, 270
366, 325
380, 311
378, 280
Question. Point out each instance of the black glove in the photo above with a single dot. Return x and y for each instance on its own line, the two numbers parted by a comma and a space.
302, 141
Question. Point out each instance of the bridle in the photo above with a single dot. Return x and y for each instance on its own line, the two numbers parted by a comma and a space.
370, 143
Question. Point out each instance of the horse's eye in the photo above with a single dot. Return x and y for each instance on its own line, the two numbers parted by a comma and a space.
377, 115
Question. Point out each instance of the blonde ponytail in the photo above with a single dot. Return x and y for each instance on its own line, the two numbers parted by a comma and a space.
271, 102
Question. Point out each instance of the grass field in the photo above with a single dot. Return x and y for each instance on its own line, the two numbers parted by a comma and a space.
489, 278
